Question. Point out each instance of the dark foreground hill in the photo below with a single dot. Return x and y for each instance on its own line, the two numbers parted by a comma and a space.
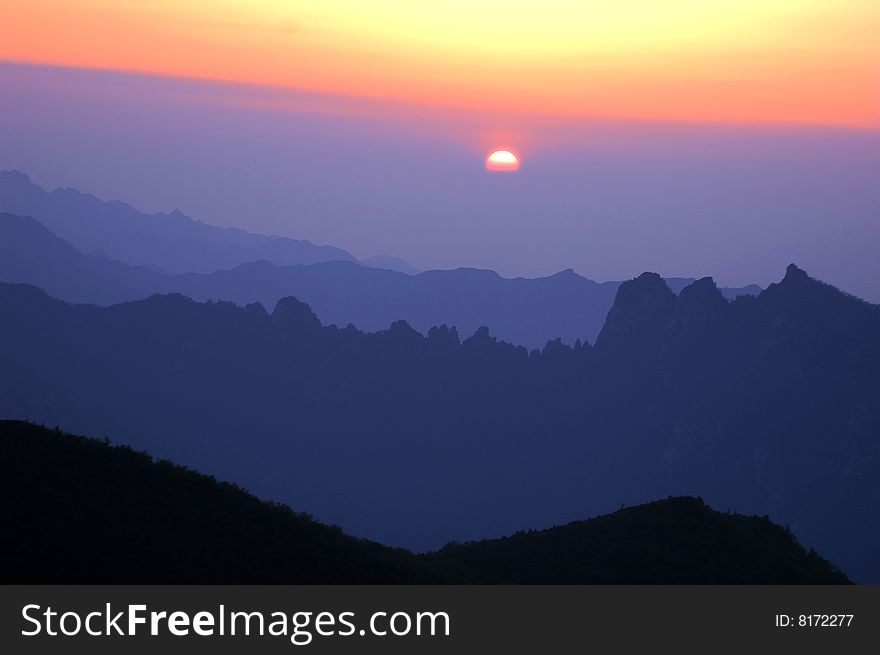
78, 510
680, 540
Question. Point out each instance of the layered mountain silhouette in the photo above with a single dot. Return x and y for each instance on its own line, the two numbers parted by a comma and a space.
30, 252
171, 242
762, 405
390, 263
88, 512
522, 311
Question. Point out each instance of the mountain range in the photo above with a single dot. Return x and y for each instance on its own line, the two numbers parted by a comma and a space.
766, 404
522, 311
171, 242
344, 388
87, 512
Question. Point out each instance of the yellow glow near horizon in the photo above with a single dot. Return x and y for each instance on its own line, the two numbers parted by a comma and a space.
725, 60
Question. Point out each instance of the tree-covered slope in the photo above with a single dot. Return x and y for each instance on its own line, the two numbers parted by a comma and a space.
79, 510
679, 540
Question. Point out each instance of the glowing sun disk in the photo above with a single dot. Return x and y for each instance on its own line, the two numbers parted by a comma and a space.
502, 160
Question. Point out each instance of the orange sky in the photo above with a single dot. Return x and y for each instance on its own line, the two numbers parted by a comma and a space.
794, 61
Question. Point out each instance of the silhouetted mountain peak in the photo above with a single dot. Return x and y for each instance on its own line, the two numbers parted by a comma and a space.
799, 288
581, 345
646, 288
556, 349
444, 335
257, 309
481, 336
795, 275
703, 293
290, 312
642, 306
699, 315
401, 328
15, 177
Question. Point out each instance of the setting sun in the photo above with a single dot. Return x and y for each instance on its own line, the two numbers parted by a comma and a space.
502, 160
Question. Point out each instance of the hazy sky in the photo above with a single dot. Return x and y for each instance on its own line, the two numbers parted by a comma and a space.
741, 60
689, 138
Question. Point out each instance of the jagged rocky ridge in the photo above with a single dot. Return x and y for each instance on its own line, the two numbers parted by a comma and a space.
523, 311
764, 405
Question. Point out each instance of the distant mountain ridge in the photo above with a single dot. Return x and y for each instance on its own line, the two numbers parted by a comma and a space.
32, 253
522, 311
390, 263
172, 242
764, 405
73, 500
